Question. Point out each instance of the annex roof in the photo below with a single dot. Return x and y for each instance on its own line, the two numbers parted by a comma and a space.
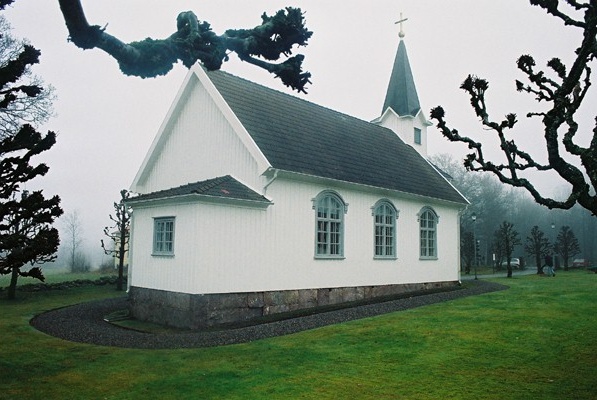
299, 136
221, 187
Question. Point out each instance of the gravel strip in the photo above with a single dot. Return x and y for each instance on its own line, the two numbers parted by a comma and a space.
85, 323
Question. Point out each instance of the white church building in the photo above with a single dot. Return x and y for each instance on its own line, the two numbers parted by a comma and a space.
253, 202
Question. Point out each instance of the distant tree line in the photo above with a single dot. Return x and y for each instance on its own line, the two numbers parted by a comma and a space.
567, 233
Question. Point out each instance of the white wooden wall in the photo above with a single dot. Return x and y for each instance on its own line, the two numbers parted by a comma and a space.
224, 249
404, 128
196, 146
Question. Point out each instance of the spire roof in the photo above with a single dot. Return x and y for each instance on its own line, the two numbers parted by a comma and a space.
402, 94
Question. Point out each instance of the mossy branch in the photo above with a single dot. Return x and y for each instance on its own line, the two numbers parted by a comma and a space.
195, 41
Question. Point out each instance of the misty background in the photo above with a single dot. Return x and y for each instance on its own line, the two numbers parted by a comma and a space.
106, 121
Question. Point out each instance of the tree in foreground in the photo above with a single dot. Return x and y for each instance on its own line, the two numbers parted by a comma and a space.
537, 246
24, 99
119, 234
563, 89
195, 41
26, 232
506, 237
566, 245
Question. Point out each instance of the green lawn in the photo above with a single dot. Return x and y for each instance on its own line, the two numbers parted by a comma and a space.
536, 340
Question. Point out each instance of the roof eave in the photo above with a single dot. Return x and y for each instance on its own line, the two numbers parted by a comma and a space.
196, 197
414, 196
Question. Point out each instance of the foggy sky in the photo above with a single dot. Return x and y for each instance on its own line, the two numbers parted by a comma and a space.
106, 121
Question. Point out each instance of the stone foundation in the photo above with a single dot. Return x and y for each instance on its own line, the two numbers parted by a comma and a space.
198, 311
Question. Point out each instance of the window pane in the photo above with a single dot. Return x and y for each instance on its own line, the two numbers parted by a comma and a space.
385, 226
330, 213
428, 234
163, 237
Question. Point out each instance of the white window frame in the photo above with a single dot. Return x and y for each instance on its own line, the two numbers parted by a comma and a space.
385, 230
163, 236
329, 225
428, 241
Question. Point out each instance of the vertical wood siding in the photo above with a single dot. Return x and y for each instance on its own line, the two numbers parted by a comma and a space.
224, 249
200, 145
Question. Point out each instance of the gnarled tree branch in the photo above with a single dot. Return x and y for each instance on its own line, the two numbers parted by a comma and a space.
565, 93
195, 41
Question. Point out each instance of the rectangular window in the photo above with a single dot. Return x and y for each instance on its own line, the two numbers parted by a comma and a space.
163, 236
417, 136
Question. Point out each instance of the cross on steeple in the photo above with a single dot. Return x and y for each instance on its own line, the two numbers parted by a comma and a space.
401, 33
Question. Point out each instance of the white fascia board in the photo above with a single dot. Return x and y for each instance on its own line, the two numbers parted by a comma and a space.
449, 183
196, 72
237, 126
160, 137
197, 198
387, 112
423, 118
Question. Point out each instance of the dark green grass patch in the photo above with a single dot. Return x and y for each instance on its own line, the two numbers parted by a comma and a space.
535, 340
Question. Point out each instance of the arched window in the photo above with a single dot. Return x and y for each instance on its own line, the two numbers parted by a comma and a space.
329, 225
384, 220
428, 220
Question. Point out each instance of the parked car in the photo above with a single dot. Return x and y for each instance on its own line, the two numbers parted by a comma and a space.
581, 263
514, 263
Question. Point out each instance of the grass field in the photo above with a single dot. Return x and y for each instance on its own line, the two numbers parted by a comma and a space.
533, 341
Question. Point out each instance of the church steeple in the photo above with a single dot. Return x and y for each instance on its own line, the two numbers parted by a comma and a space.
401, 109
401, 95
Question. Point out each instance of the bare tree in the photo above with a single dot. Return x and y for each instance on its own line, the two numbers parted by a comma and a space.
566, 245
538, 246
73, 241
563, 89
195, 41
506, 238
119, 234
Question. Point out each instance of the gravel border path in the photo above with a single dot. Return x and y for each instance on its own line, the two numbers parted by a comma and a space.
85, 323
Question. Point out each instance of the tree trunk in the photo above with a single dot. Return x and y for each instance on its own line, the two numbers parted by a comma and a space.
538, 262
509, 271
122, 246
120, 268
12, 289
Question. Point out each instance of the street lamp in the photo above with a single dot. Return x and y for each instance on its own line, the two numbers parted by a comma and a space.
553, 246
474, 218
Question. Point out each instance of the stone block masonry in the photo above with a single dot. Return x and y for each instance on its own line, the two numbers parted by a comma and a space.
198, 311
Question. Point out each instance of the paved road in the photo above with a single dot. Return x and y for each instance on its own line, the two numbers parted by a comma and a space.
501, 274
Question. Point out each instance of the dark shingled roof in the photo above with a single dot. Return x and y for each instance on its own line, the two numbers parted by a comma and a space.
224, 187
402, 94
298, 136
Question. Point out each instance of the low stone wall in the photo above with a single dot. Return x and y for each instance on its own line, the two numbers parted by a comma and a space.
197, 311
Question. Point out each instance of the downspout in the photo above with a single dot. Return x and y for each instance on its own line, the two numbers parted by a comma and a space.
270, 181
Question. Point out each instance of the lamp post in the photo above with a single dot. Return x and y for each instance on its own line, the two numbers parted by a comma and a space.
474, 218
553, 246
